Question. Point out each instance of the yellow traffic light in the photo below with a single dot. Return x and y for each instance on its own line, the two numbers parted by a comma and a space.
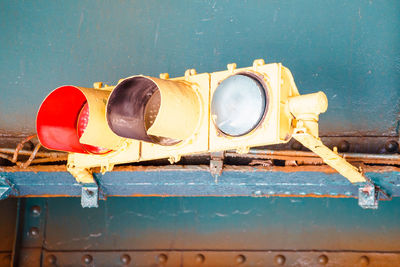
273, 124
146, 118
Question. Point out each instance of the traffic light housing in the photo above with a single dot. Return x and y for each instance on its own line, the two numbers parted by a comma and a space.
145, 118
71, 118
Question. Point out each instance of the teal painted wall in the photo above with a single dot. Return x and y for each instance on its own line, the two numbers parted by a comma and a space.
348, 49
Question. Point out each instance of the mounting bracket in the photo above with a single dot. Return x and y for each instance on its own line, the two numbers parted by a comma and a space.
368, 196
216, 164
5, 188
90, 196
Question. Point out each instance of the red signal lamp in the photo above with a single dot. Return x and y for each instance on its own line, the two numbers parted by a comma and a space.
63, 119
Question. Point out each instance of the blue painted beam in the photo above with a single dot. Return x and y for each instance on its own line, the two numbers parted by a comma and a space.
197, 181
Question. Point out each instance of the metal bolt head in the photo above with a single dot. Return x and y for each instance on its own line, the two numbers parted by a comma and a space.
343, 146
363, 261
87, 259
280, 260
162, 258
34, 232
125, 259
323, 259
35, 211
240, 259
51, 259
391, 146
200, 258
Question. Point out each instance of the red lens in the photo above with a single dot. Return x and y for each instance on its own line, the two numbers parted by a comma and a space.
58, 118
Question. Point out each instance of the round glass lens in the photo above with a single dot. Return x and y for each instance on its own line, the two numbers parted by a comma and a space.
238, 105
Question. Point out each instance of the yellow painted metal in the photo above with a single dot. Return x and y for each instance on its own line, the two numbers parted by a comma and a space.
129, 151
276, 126
82, 175
184, 114
97, 132
313, 143
179, 110
197, 141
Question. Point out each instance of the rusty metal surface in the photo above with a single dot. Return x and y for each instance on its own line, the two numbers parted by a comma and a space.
221, 258
207, 232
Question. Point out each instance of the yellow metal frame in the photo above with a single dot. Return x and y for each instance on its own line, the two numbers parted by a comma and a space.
289, 115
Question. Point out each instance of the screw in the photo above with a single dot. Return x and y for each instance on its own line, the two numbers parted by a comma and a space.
87, 259
162, 258
323, 259
296, 145
200, 258
51, 259
125, 259
280, 259
240, 259
363, 261
35, 210
391, 146
34, 232
344, 146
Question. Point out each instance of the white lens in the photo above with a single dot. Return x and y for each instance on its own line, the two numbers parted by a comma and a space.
238, 105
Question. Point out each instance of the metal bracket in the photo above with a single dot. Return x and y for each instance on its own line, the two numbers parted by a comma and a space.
353, 174
90, 189
368, 196
216, 164
90, 196
5, 188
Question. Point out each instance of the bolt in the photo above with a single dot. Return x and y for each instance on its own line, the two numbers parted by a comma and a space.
87, 259
51, 259
125, 259
280, 259
240, 259
344, 146
323, 259
392, 146
34, 232
296, 145
35, 210
7, 260
200, 258
162, 258
363, 261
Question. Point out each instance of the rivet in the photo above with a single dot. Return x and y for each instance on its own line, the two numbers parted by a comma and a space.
87, 259
162, 258
7, 260
200, 258
280, 259
125, 259
391, 146
296, 145
35, 210
34, 232
51, 259
240, 259
344, 146
363, 261
323, 259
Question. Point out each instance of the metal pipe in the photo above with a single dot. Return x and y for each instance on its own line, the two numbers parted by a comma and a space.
291, 153
39, 154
